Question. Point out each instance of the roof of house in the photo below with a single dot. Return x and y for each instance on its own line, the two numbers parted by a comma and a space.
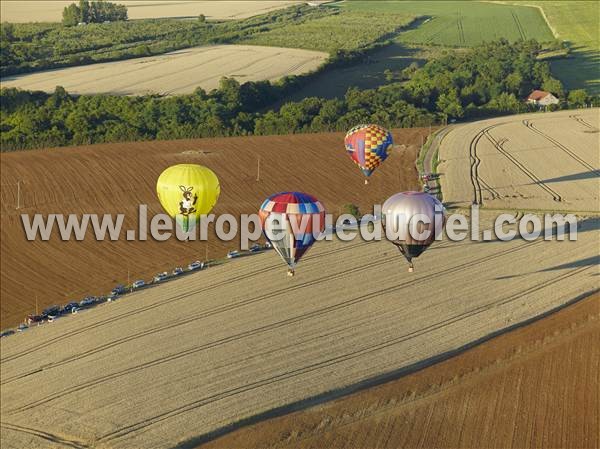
538, 95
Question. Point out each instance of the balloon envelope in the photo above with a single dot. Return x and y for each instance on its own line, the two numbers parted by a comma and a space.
188, 191
292, 221
368, 146
404, 219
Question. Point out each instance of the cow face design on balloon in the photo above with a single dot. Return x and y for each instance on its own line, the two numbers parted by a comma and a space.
188, 203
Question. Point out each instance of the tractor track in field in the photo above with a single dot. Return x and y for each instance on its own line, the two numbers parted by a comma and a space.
55, 439
563, 147
461, 31
475, 162
277, 324
147, 422
520, 28
163, 303
584, 123
530, 174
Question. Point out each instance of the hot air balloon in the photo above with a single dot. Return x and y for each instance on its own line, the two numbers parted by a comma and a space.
291, 221
187, 191
401, 216
368, 146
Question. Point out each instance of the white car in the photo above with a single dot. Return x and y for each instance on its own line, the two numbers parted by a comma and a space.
233, 254
160, 277
138, 284
196, 266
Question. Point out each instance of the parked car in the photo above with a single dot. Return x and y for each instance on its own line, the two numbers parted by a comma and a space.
160, 277
35, 318
52, 318
196, 266
138, 284
177, 271
68, 308
6, 333
233, 254
267, 245
118, 290
86, 302
255, 248
52, 310
22, 327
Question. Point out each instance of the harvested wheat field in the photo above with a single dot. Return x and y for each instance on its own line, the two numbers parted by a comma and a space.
172, 364
547, 161
178, 72
116, 178
537, 386
19, 11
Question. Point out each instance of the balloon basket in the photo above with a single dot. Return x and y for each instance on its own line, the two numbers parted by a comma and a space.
411, 268
290, 273
366, 181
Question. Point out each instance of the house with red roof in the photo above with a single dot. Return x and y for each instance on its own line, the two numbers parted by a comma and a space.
541, 98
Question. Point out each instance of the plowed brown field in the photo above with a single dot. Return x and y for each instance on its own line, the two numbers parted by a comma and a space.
537, 386
116, 178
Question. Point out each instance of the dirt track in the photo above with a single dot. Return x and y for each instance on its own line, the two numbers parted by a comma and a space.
537, 386
177, 361
116, 178
525, 162
178, 72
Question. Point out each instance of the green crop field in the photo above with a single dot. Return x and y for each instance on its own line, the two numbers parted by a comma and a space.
577, 22
462, 23
347, 30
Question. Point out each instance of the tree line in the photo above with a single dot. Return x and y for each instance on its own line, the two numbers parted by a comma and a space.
491, 79
97, 11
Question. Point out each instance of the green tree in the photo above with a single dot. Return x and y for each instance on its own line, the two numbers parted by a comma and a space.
71, 15
449, 104
505, 102
578, 98
84, 7
553, 85
7, 31
389, 75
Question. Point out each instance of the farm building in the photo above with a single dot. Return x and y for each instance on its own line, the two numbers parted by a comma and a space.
541, 98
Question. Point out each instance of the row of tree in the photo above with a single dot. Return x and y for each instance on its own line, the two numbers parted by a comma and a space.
97, 11
491, 79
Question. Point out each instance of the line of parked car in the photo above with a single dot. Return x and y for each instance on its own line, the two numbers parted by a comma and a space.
52, 313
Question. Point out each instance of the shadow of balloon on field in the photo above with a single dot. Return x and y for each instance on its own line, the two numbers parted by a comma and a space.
588, 261
573, 177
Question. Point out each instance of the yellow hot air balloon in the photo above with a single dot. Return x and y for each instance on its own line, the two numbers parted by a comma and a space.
187, 191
